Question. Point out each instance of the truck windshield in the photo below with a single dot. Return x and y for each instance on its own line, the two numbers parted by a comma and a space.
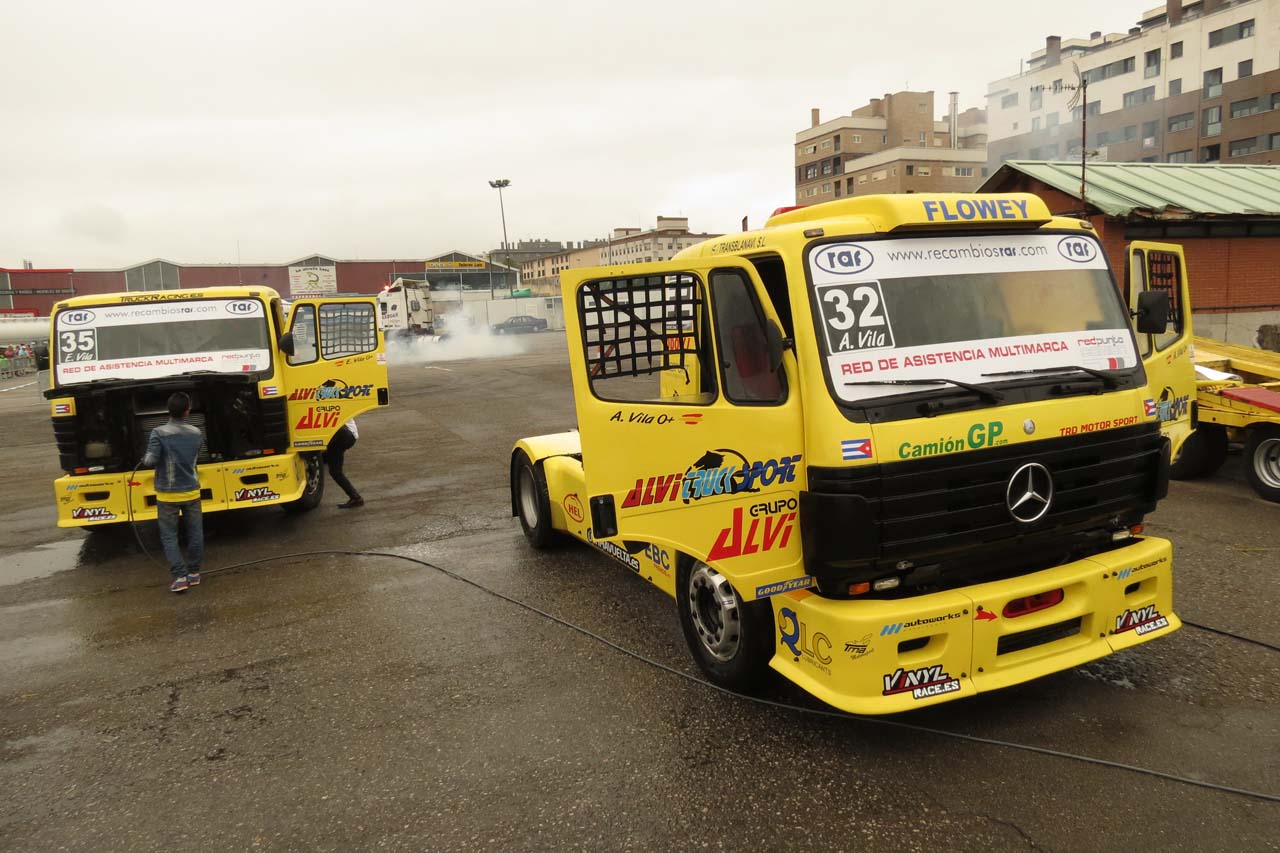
148, 340
962, 309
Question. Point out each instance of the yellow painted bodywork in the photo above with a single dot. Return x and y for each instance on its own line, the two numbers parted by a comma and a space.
1255, 367
314, 414
632, 451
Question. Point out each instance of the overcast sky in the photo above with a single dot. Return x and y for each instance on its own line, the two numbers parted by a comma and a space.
370, 130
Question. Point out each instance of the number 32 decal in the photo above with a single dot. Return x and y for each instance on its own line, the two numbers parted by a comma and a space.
854, 317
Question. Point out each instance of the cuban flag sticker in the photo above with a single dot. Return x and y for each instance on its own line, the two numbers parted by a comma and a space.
855, 448
269, 390
1149, 408
62, 408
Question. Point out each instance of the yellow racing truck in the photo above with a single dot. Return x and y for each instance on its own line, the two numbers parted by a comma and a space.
898, 448
270, 383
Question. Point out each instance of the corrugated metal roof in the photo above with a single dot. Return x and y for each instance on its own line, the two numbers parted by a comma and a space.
1153, 189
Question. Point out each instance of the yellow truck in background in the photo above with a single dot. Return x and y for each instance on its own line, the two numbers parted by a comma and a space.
897, 448
270, 383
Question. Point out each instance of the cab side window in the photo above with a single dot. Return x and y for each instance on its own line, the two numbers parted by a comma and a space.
1164, 274
744, 348
347, 329
646, 339
304, 335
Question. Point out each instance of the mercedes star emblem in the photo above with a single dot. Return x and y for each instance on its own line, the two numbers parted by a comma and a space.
1029, 493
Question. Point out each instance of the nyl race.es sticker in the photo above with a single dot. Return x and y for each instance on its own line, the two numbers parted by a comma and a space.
853, 317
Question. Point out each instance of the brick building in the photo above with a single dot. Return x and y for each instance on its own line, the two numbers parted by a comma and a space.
38, 289
893, 144
1226, 218
1195, 81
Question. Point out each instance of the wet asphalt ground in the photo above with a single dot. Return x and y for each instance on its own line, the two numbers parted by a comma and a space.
337, 703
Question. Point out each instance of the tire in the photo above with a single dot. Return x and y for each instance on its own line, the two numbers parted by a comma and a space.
731, 640
1202, 454
314, 491
531, 502
1262, 460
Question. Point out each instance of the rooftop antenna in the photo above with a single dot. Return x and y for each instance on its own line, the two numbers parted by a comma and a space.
1081, 99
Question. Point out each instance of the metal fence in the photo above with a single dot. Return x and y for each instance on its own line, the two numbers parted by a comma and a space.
17, 366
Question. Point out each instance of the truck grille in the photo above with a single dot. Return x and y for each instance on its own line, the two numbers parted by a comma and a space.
146, 423
953, 508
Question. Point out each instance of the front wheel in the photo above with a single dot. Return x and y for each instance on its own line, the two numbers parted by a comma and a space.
1262, 460
531, 501
731, 640
313, 492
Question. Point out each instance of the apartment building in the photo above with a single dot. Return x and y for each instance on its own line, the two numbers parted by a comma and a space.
669, 235
1192, 82
892, 144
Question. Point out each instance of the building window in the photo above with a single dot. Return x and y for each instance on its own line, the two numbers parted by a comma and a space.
1150, 133
879, 175
1101, 138
1140, 96
1175, 87
826, 188
884, 139
1035, 123
911, 170
811, 192
1050, 153
1130, 133
1037, 98
826, 143
837, 142
893, 173
811, 149
1151, 63
924, 138
964, 171
1213, 83
1035, 153
810, 172
862, 179
857, 139
837, 186
1051, 120
924, 171
1111, 69
1275, 100
1235, 32
1209, 153
1247, 107
1092, 109
1009, 101
1275, 141
1244, 69
1241, 147
826, 168
1211, 121
1175, 50
1182, 121
1152, 159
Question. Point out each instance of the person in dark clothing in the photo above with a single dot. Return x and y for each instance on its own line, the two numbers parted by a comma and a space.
172, 450
343, 440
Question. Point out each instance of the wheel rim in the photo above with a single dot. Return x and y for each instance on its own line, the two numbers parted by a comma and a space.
715, 611
1266, 462
528, 497
313, 476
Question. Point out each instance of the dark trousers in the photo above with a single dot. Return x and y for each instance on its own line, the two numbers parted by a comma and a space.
167, 514
334, 456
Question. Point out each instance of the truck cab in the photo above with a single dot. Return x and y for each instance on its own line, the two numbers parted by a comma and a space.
898, 448
270, 384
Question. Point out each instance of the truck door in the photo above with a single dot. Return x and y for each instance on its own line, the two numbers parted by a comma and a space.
690, 439
338, 368
1167, 358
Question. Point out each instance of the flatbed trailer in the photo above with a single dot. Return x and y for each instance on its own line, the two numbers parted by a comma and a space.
1244, 409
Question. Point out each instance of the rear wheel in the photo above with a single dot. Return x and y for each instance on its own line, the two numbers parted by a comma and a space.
313, 492
1262, 460
731, 640
531, 501
1202, 454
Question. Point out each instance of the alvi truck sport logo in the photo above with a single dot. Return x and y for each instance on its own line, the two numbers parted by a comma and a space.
711, 477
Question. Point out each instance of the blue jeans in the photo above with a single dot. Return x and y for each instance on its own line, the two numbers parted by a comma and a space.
167, 516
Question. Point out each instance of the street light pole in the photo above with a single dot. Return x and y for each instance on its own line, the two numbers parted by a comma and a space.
499, 185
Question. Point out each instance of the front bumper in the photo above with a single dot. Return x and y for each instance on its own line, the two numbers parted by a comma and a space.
92, 500
879, 657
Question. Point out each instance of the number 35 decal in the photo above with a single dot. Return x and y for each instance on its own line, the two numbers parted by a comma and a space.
854, 317
78, 346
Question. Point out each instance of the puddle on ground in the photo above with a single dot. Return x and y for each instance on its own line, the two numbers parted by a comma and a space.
40, 562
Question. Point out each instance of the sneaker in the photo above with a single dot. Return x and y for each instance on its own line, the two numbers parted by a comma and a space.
193, 579
179, 585
352, 503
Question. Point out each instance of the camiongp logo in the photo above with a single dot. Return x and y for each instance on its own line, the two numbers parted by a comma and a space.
76, 318
242, 307
1078, 250
844, 258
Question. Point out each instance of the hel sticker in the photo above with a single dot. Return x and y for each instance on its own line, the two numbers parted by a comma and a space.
854, 318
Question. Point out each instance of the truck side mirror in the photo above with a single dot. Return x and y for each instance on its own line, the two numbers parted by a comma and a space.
1153, 312
777, 343
286, 343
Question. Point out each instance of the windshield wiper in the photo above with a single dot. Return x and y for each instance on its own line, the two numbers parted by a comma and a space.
1109, 381
988, 394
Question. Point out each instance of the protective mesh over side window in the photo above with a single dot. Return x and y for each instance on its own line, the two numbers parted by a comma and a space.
347, 329
645, 339
1164, 275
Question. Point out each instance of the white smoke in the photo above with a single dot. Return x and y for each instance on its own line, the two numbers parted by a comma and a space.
24, 331
461, 343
